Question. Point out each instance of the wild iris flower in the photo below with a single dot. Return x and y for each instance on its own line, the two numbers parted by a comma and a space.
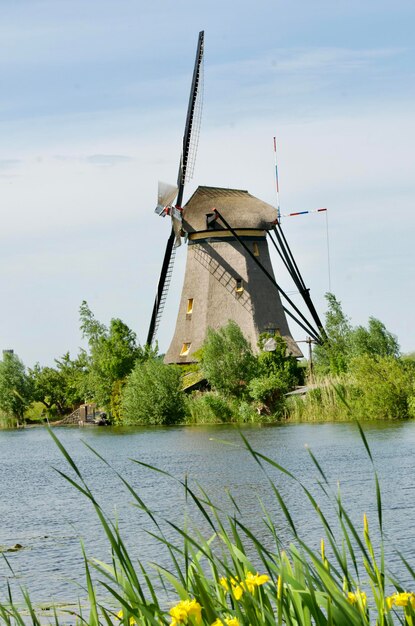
184, 611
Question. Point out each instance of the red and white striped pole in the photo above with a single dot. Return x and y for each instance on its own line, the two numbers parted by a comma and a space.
304, 212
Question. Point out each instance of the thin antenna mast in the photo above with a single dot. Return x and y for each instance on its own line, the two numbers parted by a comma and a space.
328, 249
276, 182
323, 210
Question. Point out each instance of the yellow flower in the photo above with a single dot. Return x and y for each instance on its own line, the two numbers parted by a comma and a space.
229, 621
184, 610
356, 598
131, 621
390, 600
237, 591
322, 549
279, 587
235, 587
401, 599
255, 580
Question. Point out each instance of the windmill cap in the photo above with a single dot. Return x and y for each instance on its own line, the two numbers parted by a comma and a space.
238, 207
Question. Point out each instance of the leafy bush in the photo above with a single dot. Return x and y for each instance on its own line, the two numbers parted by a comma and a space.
269, 390
278, 372
116, 401
247, 412
209, 408
384, 385
227, 360
279, 361
36, 412
152, 394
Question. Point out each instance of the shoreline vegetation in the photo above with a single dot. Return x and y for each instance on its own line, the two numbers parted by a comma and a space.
358, 373
220, 572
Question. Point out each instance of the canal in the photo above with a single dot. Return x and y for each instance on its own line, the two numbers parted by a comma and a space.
48, 517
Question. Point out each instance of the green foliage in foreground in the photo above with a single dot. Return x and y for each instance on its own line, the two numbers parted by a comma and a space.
233, 575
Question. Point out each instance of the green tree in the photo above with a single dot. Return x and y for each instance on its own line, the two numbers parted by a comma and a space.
48, 388
334, 354
375, 340
345, 342
152, 394
75, 375
63, 388
113, 352
15, 386
227, 360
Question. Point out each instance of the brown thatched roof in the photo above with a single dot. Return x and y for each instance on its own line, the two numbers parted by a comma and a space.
239, 208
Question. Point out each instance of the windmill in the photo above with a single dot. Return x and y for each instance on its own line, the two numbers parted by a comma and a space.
228, 273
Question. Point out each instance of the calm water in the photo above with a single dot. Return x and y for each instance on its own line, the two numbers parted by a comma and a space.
44, 513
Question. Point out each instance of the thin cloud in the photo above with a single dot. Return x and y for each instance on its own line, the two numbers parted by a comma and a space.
108, 159
302, 59
6, 164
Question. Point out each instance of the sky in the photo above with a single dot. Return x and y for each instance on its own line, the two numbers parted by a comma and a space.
92, 110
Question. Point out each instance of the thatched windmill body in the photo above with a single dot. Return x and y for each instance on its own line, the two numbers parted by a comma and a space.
228, 272
222, 281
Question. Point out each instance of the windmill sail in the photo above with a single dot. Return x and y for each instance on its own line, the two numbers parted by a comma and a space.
190, 140
193, 119
165, 195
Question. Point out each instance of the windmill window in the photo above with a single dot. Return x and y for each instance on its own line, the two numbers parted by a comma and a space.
255, 248
210, 221
185, 349
189, 309
239, 285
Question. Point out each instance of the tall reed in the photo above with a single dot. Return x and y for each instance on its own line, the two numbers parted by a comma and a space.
327, 399
229, 576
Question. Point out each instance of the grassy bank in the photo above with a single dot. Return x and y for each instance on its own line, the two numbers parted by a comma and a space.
7, 421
